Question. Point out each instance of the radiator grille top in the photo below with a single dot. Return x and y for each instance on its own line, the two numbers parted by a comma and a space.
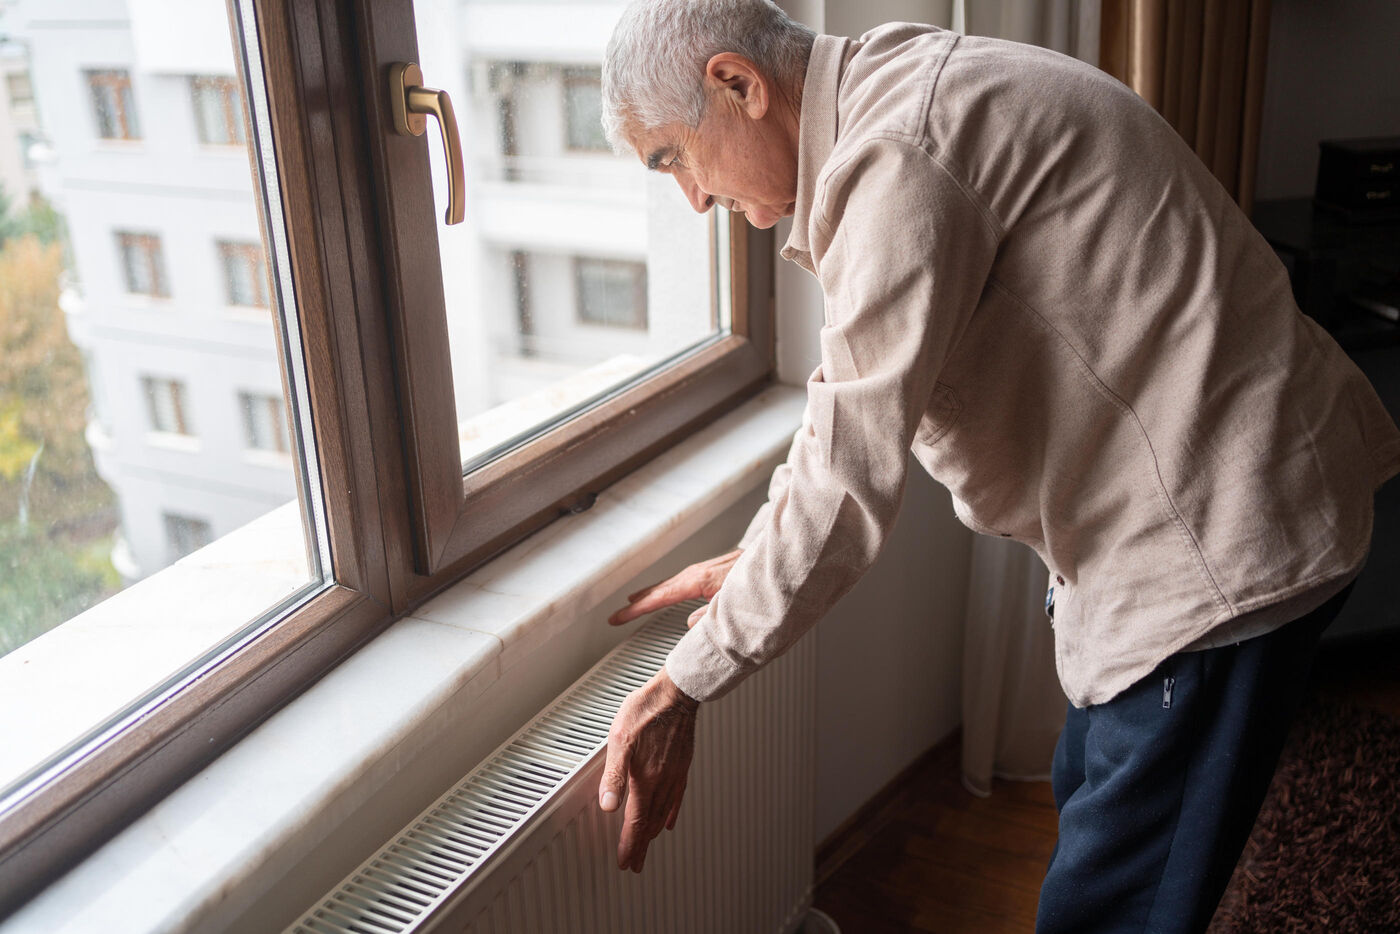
400, 887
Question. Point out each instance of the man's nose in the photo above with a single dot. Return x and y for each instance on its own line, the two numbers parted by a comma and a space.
700, 201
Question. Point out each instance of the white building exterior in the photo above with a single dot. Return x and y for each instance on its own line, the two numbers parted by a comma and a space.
168, 302
19, 124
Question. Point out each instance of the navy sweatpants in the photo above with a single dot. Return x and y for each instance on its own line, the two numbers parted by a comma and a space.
1158, 788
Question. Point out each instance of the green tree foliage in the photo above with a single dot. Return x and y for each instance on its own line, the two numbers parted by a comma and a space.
55, 563
38, 219
43, 392
44, 582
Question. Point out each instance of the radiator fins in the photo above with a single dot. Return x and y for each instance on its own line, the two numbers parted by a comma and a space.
398, 889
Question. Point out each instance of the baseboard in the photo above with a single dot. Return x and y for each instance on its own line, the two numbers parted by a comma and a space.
855, 831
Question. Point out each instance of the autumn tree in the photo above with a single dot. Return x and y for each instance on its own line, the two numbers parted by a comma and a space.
50, 565
43, 392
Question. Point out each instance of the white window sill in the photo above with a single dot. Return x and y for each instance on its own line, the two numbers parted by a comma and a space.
210, 853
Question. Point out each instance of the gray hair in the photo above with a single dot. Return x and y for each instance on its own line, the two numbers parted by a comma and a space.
653, 71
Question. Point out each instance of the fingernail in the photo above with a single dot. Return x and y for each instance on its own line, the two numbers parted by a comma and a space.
609, 802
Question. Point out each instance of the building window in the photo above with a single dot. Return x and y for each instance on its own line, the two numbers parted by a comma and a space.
245, 273
218, 111
611, 292
115, 106
184, 534
524, 313
167, 405
143, 264
20, 89
264, 422
583, 110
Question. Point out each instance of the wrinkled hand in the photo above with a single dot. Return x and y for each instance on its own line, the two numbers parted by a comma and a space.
701, 581
649, 749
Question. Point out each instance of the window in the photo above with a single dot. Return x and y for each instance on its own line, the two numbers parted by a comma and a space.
143, 264
165, 403
20, 89
263, 425
113, 104
583, 109
186, 535
218, 113
441, 401
524, 320
611, 293
245, 273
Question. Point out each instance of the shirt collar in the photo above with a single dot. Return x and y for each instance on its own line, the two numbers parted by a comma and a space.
816, 131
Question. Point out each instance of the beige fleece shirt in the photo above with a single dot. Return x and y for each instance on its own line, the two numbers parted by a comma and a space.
1032, 282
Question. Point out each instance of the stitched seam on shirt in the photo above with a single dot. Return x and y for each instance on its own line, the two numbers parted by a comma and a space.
715, 651
1193, 547
989, 219
926, 105
939, 155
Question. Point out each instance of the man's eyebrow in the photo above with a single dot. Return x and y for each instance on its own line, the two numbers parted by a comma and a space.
654, 160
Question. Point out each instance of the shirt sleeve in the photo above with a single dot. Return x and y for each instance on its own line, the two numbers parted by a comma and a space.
777, 489
903, 252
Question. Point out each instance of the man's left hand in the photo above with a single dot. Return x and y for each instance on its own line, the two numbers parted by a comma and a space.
649, 750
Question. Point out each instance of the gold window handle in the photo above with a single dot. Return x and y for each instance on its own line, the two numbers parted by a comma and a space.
411, 103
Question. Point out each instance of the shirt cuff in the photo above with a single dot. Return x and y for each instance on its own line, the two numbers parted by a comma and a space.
699, 669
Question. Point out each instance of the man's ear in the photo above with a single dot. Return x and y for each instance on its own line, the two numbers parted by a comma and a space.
731, 74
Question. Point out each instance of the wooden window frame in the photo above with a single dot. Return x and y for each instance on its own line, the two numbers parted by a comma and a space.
312, 85
455, 522
148, 249
384, 421
229, 96
113, 81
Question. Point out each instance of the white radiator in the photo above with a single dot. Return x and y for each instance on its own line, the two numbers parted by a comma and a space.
520, 847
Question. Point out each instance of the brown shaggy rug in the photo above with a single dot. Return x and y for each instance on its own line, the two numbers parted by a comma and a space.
1325, 852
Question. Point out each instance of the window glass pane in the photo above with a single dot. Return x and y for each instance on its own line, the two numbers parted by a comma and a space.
114, 104
576, 271
218, 112
143, 263
583, 108
185, 535
612, 293
263, 422
151, 479
245, 273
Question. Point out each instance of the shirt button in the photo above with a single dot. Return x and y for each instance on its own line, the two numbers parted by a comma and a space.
1059, 579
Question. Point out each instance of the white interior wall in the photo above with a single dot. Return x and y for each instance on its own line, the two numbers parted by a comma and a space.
1333, 73
889, 655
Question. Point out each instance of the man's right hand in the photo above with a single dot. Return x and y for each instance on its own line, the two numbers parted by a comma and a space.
699, 581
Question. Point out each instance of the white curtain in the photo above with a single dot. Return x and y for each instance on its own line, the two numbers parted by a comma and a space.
1068, 26
1013, 707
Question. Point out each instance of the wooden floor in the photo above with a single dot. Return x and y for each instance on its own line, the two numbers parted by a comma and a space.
927, 855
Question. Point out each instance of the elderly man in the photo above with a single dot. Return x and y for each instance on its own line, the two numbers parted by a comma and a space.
1033, 282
